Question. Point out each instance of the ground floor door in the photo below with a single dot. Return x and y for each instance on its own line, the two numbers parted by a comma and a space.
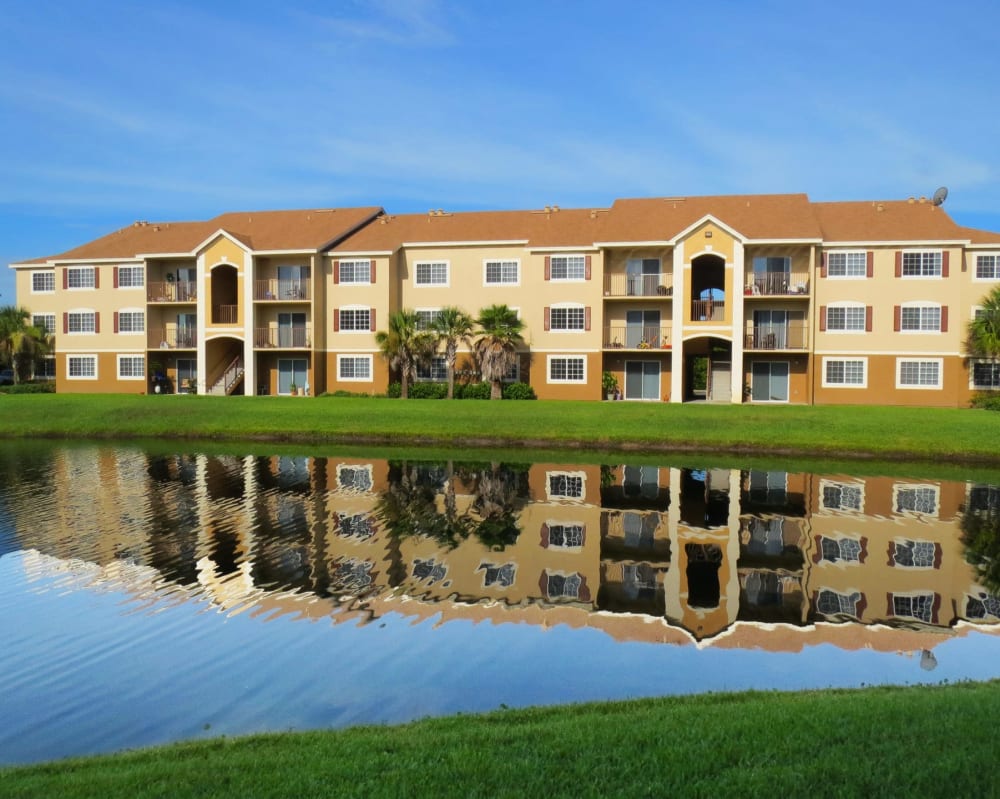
769, 381
642, 380
722, 387
291, 371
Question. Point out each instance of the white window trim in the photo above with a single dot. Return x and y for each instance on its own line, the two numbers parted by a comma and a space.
93, 358
862, 384
342, 379
447, 274
432, 379
572, 330
93, 272
358, 467
938, 276
132, 332
864, 272
972, 375
851, 331
354, 331
562, 497
131, 377
434, 311
897, 487
550, 523
548, 370
823, 483
142, 271
72, 311
43, 272
568, 255
899, 370
975, 268
516, 261
919, 304
342, 282
51, 331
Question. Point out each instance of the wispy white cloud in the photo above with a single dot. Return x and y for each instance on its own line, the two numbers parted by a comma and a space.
411, 23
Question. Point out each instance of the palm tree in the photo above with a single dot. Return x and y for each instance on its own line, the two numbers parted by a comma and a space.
496, 347
984, 329
452, 325
405, 346
22, 345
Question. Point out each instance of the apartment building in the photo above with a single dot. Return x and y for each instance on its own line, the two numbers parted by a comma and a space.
750, 298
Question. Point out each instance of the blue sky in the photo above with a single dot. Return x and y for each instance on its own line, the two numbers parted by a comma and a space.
181, 110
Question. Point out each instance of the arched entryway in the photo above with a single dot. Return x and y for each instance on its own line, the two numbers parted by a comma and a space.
708, 289
225, 296
224, 365
708, 369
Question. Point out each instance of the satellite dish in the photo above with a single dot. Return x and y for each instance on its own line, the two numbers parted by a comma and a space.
940, 195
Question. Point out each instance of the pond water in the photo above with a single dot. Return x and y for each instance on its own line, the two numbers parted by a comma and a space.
149, 597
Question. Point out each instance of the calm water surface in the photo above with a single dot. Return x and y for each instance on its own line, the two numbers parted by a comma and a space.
147, 598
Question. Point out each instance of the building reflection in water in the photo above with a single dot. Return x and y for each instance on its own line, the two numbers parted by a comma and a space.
771, 559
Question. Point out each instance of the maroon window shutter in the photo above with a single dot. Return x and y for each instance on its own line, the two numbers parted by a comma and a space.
545, 536
116, 321
66, 278
543, 584
868, 319
864, 550
899, 263
860, 607
97, 277
586, 268
897, 318
373, 271
97, 321
892, 557
336, 272
944, 318
586, 318
935, 608
65, 321
114, 277
336, 319
548, 267
822, 318
584, 589
937, 556
944, 263
818, 551
371, 317
870, 264
822, 265
890, 609
548, 318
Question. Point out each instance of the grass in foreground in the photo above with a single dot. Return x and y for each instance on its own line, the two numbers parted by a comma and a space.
917, 741
845, 431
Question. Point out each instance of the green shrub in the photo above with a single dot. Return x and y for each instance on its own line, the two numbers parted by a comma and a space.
30, 388
518, 391
428, 391
987, 400
395, 391
342, 393
473, 391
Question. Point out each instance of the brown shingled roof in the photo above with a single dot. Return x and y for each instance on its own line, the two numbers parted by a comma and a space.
897, 220
980, 236
142, 237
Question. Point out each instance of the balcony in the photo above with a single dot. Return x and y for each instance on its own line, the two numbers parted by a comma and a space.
274, 290
172, 338
624, 285
634, 337
777, 284
789, 336
708, 310
289, 338
179, 291
225, 314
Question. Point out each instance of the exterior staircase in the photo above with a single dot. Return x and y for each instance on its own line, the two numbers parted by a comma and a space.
230, 379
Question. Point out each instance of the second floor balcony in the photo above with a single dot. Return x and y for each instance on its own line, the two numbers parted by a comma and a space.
172, 337
172, 291
276, 290
776, 284
708, 310
633, 285
792, 335
283, 337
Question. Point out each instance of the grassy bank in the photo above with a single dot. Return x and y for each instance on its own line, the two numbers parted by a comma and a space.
917, 741
846, 432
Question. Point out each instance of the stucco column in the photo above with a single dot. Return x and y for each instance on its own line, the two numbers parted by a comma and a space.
677, 326
736, 361
202, 317
249, 319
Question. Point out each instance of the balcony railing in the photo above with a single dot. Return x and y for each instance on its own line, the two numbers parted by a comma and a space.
624, 285
634, 337
180, 291
776, 284
708, 310
225, 314
283, 337
275, 290
172, 338
789, 336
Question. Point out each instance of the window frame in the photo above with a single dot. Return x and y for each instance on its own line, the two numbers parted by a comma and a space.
841, 485
132, 269
487, 262
353, 311
577, 526
130, 313
937, 275
898, 488
564, 308
577, 475
826, 383
996, 268
845, 306
72, 271
417, 282
341, 358
81, 312
921, 308
51, 330
122, 358
846, 255
566, 266
81, 357
438, 363
363, 468
939, 364
354, 265
994, 368
431, 313
552, 359
49, 276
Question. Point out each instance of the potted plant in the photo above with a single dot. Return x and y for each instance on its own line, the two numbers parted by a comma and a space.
610, 385
293, 389
192, 386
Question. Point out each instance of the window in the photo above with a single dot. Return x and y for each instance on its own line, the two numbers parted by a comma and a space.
984, 499
502, 576
563, 586
81, 367
847, 264
565, 369
915, 606
355, 271
567, 318
915, 499
131, 367
846, 318
918, 374
434, 372
848, 550
43, 282
81, 277
920, 318
842, 496
834, 603
772, 263
45, 321
568, 267
844, 372
358, 525
131, 321
502, 273
426, 317
921, 264
565, 536
513, 374
986, 375
355, 478
429, 570
354, 367
432, 273
913, 554
355, 319
564, 485
131, 277
988, 267
81, 322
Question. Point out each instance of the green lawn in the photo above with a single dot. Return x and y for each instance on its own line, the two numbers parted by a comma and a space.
844, 431
892, 742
